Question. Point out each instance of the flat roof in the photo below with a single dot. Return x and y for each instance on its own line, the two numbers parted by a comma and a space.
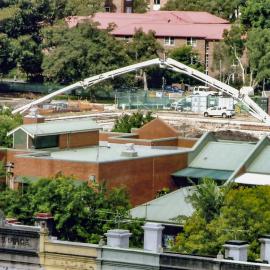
167, 208
103, 153
222, 155
58, 127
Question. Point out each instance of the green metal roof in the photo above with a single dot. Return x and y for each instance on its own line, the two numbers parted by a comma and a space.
222, 155
261, 162
201, 173
166, 208
58, 127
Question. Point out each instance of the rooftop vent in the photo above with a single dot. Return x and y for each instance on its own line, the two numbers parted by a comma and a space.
129, 151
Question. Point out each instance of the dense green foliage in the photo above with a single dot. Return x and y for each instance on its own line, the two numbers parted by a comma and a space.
7, 123
140, 6
226, 9
80, 53
81, 212
136, 120
221, 215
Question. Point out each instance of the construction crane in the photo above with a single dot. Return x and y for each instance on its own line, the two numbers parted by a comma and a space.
171, 64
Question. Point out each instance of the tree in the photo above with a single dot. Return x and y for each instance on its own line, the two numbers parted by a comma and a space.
258, 47
81, 212
83, 7
80, 52
7, 54
235, 43
126, 122
256, 14
140, 6
243, 215
7, 123
228, 9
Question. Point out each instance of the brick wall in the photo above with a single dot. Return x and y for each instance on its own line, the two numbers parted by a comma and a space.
81, 139
143, 178
40, 167
157, 129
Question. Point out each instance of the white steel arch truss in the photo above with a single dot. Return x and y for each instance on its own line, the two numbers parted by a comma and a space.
255, 110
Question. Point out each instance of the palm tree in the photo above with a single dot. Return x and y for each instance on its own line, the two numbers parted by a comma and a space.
208, 198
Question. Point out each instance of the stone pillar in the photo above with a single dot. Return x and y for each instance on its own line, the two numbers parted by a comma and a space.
153, 236
236, 250
265, 248
118, 238
45, 220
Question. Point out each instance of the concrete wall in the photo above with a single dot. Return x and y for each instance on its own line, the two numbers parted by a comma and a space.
127, 259
81, 139
187, 262
19, 248
60, 255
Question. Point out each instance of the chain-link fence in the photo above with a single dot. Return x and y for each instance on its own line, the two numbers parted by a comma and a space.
145, 100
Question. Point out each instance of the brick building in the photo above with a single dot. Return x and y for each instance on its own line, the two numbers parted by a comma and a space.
79, 148
172, 29
126, 6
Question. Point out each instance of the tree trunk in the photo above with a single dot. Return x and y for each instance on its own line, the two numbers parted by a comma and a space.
145, 85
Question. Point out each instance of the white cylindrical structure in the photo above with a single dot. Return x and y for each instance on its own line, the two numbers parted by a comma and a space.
118, 238
153, 236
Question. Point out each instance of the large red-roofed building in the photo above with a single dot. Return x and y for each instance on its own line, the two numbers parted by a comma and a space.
201, 30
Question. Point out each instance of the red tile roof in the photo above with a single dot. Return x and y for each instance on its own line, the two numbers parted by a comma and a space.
163, 23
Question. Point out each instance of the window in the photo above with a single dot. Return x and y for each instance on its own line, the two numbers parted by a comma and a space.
46, 142
107, 9
191, 41
156, 2
127, 38
169, 41
128, 9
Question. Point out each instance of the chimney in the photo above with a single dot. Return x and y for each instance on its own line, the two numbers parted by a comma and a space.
33, 117
236, 250
265, 248
118, 238
153, 236
45, 220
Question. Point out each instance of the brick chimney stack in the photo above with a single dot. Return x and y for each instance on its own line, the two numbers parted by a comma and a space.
33, 117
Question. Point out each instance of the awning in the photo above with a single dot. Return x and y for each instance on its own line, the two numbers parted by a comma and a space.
201, 173
253, 179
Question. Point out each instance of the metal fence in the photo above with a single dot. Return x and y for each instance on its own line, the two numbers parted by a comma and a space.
144, 100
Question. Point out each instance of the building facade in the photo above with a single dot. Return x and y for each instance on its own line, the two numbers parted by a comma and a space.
126, 6
172, 29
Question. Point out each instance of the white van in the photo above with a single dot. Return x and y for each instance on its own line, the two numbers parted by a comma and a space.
203, 91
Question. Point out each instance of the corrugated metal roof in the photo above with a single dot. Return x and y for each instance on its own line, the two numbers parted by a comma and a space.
222, 155
58, 127
201, 173
164, 209
163, 23
261, 163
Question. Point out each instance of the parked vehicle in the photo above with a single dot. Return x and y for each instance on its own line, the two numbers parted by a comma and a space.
173, 89
218, 111
203, 91
182, 105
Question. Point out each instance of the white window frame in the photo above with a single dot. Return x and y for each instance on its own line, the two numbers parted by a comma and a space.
128, 10
108, 9
169, 41
192, 42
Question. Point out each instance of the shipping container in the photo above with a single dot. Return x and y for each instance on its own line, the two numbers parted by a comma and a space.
226, 102
262, 102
